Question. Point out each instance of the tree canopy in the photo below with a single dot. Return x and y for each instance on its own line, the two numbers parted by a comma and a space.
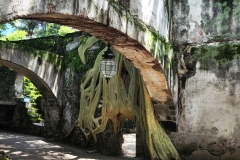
27, 29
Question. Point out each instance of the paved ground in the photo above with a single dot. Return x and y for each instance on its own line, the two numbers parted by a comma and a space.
129, 145
26, 147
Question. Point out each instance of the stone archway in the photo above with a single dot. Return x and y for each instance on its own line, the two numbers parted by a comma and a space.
107, 24
103, 21
45, 76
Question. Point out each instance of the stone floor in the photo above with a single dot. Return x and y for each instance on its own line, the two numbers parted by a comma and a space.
129, 145
26, 147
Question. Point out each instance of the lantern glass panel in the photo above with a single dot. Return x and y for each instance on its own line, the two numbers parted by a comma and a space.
108, 68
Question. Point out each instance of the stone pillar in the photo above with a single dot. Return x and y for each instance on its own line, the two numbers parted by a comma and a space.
52, 118
166, 116
18, 86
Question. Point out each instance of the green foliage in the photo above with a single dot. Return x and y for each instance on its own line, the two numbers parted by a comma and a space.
17, 35
63, 30
52, 29
225, 13
74, 61
31, 90
2, 28
127, 123
54, 44
3, 156
36, 29
26, 25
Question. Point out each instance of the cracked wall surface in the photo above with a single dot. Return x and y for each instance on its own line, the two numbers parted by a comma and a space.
208, 126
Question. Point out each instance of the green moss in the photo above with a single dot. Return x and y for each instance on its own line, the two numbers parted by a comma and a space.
223, 54
142, 26
225, 12
42, 55
51, 49
160, 49
73, 59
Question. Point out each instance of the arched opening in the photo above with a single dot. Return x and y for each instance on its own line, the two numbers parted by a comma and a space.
16, 115
128, 128
142, 60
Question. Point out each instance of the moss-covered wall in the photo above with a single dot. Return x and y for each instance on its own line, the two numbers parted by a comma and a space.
7, 79
208, 124
222, 54
208, 127
205, 20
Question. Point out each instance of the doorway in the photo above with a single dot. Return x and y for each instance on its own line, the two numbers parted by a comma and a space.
129, 137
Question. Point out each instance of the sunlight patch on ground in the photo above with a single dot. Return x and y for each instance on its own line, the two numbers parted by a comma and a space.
40, 143
8, 136
129, 145
28, 147
86, 159
17, 152
4, 150
68, 156
5, 146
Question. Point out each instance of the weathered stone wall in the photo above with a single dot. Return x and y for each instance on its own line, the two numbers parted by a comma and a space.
208, 125
21, 121
152, 12
205, 20
71, 103
12, 89
15, 118
44, 74
7, 79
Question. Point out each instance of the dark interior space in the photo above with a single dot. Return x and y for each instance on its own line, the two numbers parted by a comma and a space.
6, 114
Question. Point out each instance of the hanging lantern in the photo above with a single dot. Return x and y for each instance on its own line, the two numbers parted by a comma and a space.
107, 66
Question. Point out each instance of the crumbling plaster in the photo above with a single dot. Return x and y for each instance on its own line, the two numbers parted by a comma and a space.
205, 21
208, 126
212, 102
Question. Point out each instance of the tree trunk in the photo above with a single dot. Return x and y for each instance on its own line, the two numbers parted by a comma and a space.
124, 96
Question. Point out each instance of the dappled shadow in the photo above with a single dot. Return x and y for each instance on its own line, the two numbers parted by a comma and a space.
22, 146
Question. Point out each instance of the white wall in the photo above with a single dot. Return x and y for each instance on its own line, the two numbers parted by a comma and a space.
153, 13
